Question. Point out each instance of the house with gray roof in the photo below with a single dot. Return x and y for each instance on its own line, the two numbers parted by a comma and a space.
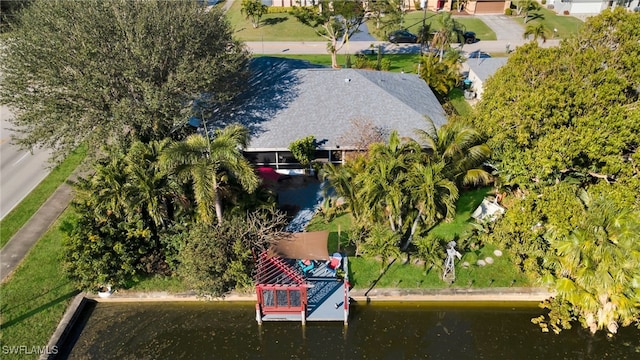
290, 99
482, 69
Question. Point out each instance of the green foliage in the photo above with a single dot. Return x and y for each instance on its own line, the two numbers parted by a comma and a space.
278, 9
303, 150
336, 21
385, 64
441, 76
382, 242
94, 70
595, 267
253, 9
536, 31
216, 259
552, 125
209, 166
104, 251
508, 11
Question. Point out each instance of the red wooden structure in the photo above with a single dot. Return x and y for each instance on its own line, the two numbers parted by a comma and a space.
280, 288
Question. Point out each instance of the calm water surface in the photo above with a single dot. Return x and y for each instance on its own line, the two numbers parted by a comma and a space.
377, 331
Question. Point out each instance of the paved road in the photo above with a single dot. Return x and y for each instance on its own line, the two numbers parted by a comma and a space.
20, 170
354, 47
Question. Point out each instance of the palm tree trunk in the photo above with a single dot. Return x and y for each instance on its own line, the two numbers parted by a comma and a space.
414, 227
218, 206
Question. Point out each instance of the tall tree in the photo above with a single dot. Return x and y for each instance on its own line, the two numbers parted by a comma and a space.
253, 9
462, 150
536, 31
335, 21
208, 164
99, 71
524, 7
552, 125
596, 267
441, 76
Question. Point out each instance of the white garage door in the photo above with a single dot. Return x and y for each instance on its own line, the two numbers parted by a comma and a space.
586, 7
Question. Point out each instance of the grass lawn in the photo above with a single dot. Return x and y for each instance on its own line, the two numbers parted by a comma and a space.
364, 271
34, 299
456, 98
413, 21
273, 27
466, 204
30, 204
566, 25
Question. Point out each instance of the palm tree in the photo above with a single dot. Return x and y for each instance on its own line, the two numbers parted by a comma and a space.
154, 191
597, 266
382, 242
432, 194
462, 150
538, 31
441, 76
209, 164
381, 184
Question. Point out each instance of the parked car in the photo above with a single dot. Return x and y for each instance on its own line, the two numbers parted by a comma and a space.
469, 37
478, 54
402, 36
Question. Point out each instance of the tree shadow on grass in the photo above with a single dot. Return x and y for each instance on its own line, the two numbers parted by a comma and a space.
535, 16
375, 282
275, 20
39, 309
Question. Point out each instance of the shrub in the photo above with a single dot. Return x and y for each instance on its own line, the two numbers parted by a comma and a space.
566, 12
385, 65
543, 2
278, 10
303, 150
508, 11
362, 62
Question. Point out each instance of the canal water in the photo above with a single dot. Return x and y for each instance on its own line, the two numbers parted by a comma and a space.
407, 330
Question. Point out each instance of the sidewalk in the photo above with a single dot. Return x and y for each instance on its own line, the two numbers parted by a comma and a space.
18, 247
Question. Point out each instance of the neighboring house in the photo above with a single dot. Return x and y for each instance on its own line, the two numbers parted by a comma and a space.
291, 99
575, 7
482, 69
487, 6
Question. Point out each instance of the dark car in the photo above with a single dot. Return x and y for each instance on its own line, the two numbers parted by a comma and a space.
478, 55
469, 37
402, 36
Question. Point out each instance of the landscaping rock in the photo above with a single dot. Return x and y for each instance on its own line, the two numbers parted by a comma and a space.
497, 253
481, 263
465, 264
488, 260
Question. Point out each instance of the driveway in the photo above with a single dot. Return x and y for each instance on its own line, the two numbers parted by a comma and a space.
504, 26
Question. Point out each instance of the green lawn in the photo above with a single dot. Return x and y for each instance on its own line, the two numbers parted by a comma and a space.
457, 100
273, 27
466, 204
30, 204
413, 21
365, 271
34, 299
566, 25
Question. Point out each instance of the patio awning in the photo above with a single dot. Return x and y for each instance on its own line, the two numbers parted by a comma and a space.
303, 245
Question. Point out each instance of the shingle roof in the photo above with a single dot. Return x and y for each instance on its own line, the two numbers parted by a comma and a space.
289, 100
485, 67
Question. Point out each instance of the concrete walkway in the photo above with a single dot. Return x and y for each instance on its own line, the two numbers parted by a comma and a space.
18, 247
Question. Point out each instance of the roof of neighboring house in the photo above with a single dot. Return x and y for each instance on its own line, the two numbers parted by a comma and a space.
290, 99
485, 67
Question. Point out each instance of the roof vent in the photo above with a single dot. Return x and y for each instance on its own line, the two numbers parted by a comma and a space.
347, 80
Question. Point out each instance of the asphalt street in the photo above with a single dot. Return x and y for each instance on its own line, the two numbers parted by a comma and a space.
20, 170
